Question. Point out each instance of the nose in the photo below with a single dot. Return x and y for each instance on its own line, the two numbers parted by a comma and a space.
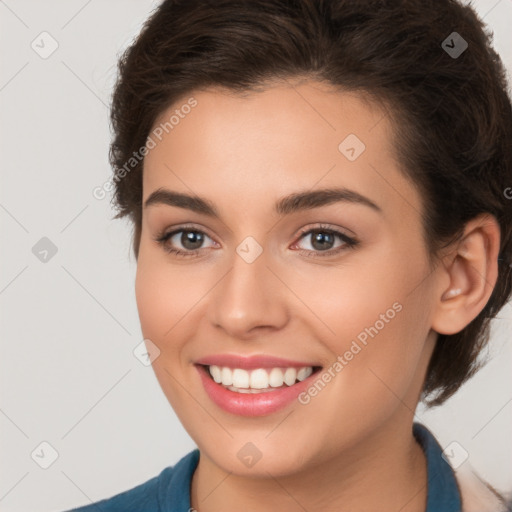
249, 299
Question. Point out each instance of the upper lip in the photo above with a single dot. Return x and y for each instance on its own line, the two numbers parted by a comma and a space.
251, 362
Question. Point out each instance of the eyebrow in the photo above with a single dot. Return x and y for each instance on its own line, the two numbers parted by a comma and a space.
298, 201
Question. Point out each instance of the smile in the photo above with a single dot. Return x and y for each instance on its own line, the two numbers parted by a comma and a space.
258, 380
253, 386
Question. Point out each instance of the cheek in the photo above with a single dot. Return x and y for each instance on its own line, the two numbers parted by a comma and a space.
164, 296
344, 301
369, 381
387, 356
374, 322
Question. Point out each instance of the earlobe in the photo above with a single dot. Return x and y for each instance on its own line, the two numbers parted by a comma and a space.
472, 271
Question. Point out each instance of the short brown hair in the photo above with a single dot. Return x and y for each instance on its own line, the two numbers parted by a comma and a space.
451, 114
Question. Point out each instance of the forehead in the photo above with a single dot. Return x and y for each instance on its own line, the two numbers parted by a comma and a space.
267, 144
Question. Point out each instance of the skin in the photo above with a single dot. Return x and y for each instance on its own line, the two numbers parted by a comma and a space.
350, 448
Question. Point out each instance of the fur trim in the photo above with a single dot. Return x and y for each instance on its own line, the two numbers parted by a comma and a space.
477, 495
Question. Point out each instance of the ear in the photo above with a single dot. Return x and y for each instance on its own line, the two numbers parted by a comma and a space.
471, 270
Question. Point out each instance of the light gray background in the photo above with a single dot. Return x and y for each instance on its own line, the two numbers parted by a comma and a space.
69, 326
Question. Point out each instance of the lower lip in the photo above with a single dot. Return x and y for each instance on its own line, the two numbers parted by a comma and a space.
251, 404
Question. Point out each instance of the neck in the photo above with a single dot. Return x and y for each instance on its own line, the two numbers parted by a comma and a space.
385, 471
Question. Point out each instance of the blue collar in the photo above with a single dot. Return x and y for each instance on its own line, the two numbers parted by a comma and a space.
442, 491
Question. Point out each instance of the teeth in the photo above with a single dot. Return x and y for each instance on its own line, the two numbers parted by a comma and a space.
304, 373
248, 381
226, 376
259, 379
216, 373
240, 378
290, 376
276, 378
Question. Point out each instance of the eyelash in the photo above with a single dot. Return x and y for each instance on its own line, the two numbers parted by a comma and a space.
349, 242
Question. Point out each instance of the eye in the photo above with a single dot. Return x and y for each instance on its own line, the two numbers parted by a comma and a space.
191, 240
322, 240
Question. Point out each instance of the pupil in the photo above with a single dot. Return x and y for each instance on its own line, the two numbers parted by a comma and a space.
193, 238
321, 237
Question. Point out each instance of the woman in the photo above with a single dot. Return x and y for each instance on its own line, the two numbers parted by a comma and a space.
322, 234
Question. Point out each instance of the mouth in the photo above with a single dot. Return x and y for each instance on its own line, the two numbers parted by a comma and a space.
254, 386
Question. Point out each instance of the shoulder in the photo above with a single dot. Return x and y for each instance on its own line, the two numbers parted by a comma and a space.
478, 495
458, 489
169, 487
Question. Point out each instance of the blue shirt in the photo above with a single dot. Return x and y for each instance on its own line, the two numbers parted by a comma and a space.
170, 490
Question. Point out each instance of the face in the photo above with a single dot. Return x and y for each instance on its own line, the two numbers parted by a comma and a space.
275, 280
